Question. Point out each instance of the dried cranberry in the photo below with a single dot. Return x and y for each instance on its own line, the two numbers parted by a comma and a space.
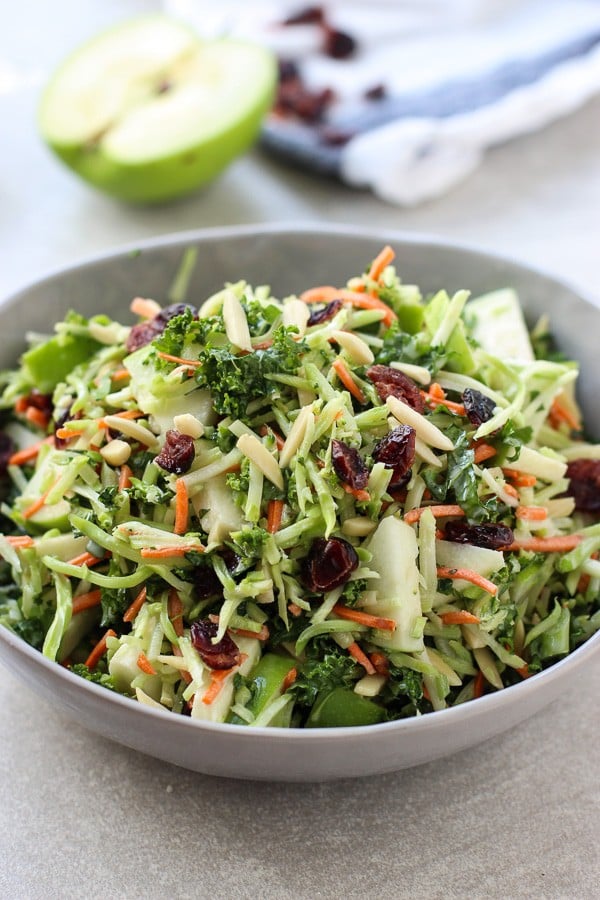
335, 137
143, 334
348, 465
392, 383
329, 564
478, 407
327, 312
308, 15
490, 535
377, 92
177, 454
40, 401
222, 655
288, 70
7, 448
338, 44
584, 484
175, 309
397, 451
295, 99
206, 583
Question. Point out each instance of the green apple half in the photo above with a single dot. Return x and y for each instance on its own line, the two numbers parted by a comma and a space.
148, 111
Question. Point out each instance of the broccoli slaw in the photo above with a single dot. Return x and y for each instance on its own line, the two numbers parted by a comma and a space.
345, 507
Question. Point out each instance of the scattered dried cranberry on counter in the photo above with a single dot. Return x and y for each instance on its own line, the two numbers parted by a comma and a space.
293, 98
377, 92
478, 407
329, 564
348, 465
338, 44
393, 383
7, 448
222, 655
584, 486
177, 454
490, 535
397, 451
334, 137
324, 314
308, 15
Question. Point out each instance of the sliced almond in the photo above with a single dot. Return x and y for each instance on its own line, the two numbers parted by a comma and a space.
295, 437
427, 431
132, 430
358, 351
369, 685
116, 453
417, 373
236, 323
189, 424
358, 526
296, 313
254, 450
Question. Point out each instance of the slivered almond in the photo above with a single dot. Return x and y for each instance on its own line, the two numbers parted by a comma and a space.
236, 323
116, 453
358, 526
254, 450
296, 313
358, 351
131, 429
417, 373
188, 424
295, 437
424, 429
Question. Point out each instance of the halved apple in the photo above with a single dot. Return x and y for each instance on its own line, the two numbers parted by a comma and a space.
148, 111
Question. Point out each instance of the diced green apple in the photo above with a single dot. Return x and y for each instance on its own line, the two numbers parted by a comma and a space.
147, 111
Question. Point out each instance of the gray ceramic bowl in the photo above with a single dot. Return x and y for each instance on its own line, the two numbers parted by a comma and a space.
289, 259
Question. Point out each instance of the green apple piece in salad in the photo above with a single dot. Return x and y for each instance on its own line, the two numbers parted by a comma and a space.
148, 111
334, 509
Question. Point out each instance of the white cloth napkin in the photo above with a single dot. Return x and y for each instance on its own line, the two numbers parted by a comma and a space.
460, 76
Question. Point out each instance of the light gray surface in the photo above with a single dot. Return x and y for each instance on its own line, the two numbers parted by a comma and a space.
83, 817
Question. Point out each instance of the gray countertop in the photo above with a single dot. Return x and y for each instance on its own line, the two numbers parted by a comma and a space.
80, 816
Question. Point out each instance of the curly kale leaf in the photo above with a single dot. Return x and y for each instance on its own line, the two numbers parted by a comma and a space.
33, 631
398, 346
100, 678
316, 676
114, 601
185, 330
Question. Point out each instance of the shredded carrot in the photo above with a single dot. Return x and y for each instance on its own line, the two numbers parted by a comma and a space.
190, 363
520, 479
20, 541
361, 658
468, 575
37, 504
383, 259
524, 671
439, 512
21, 404
482, 452
175, 611
436, 391
583, 583
274, 514
433, 401
358, 493
532, 513
145, 665
217, 677
29, 453
326, 294
99, 650
125, 478
279, 441
37, 417
478, 684
86, 601
166, 552
562, 413
134, 608
459, 617
142, 307
67, 434
294, 610
426, 693
289, 680
363, 618
343, 373
562, 543
120, 375
512, 491
262, 635
264, 345
182, 501
85, 559
380, 663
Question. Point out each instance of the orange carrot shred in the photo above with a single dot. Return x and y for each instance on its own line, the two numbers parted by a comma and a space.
29, 453
21, 404
67, 434
363, 618
145, 665
381, 261
361, 658
459, 617
532, 513
99, 650
520, 479
358, 493
36, 417
381, 663
274, 514
439, 512
217, 677
86, 601
20, 541
294, 609
478, 684
36, 505
343, 373
524, 671
436, 391
125, 478
166, 552
85, 559
561, 543
289, 680
181, 507
512, 491
120, 375
134, 608
433, 401
175, 611
468, 575
483, 452
279, 441
562, 413
190, 363
355, 298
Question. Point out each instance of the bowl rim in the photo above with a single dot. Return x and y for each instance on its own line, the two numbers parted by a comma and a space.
488, 704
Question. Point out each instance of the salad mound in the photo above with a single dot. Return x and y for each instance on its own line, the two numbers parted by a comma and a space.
343, 508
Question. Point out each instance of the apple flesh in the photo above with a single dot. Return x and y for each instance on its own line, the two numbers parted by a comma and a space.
147, 111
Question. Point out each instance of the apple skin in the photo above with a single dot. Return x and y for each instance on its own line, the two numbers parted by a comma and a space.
156, 180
